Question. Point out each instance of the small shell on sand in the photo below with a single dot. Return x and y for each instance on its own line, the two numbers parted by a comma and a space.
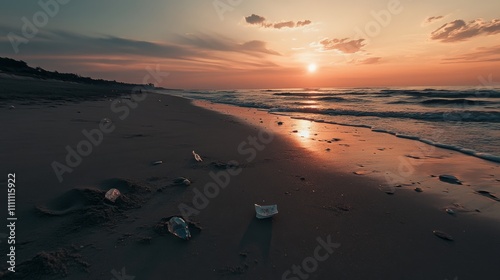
442, 235
450, 211
158, 162
197, 157
450, 179
419, 190
112, 195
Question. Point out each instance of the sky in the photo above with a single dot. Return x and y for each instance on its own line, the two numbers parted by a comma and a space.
239, 44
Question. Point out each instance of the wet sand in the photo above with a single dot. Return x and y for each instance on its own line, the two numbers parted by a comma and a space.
65, 230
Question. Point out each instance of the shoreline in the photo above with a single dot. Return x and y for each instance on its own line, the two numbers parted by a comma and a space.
379, 235
406, 165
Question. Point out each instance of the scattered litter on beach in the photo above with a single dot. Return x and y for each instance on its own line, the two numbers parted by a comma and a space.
450, 179
158, 162
112, 195
197, 157
450, 211
182, 181
265, 211
178, 227
442, 235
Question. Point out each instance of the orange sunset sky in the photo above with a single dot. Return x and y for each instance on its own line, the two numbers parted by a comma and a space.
259, 43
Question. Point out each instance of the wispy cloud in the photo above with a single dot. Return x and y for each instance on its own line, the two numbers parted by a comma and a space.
431, 20
261, 21
459, 30
482, 54
369, 60
344, 45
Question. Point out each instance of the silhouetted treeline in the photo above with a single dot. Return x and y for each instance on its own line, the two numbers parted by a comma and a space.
21, 68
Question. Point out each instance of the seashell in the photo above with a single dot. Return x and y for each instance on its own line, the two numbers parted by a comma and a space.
197, 157
112, 195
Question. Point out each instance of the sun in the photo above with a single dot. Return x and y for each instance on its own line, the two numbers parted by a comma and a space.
312, 68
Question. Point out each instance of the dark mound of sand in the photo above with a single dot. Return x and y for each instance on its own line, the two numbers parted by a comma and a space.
88, 207
49, 265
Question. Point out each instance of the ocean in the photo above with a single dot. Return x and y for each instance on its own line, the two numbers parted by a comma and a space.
457, 118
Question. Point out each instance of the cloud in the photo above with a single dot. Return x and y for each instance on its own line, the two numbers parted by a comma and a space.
303, 23
345, 45
370, 60
109, 56
223, 44
261, 21
459, 30
433, 19
482, 54
258, 46
255, 19
279, 25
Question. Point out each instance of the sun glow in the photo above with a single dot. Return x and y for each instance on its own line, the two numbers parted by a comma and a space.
311, 68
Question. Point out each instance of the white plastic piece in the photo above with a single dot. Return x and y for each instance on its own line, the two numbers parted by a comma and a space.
265, 211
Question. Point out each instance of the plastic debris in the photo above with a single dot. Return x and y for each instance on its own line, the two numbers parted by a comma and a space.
178, 227
443, 235
112, 195
182, 181
450, 211
158, 162
265, 211
450, 179
197, 157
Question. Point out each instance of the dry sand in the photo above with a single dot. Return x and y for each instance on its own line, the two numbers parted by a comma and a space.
66, 231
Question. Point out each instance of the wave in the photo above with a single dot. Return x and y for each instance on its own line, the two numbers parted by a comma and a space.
454, 116
337, 99
471, 152
460, 101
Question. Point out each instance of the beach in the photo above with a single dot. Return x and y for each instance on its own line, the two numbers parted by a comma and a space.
340, 217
